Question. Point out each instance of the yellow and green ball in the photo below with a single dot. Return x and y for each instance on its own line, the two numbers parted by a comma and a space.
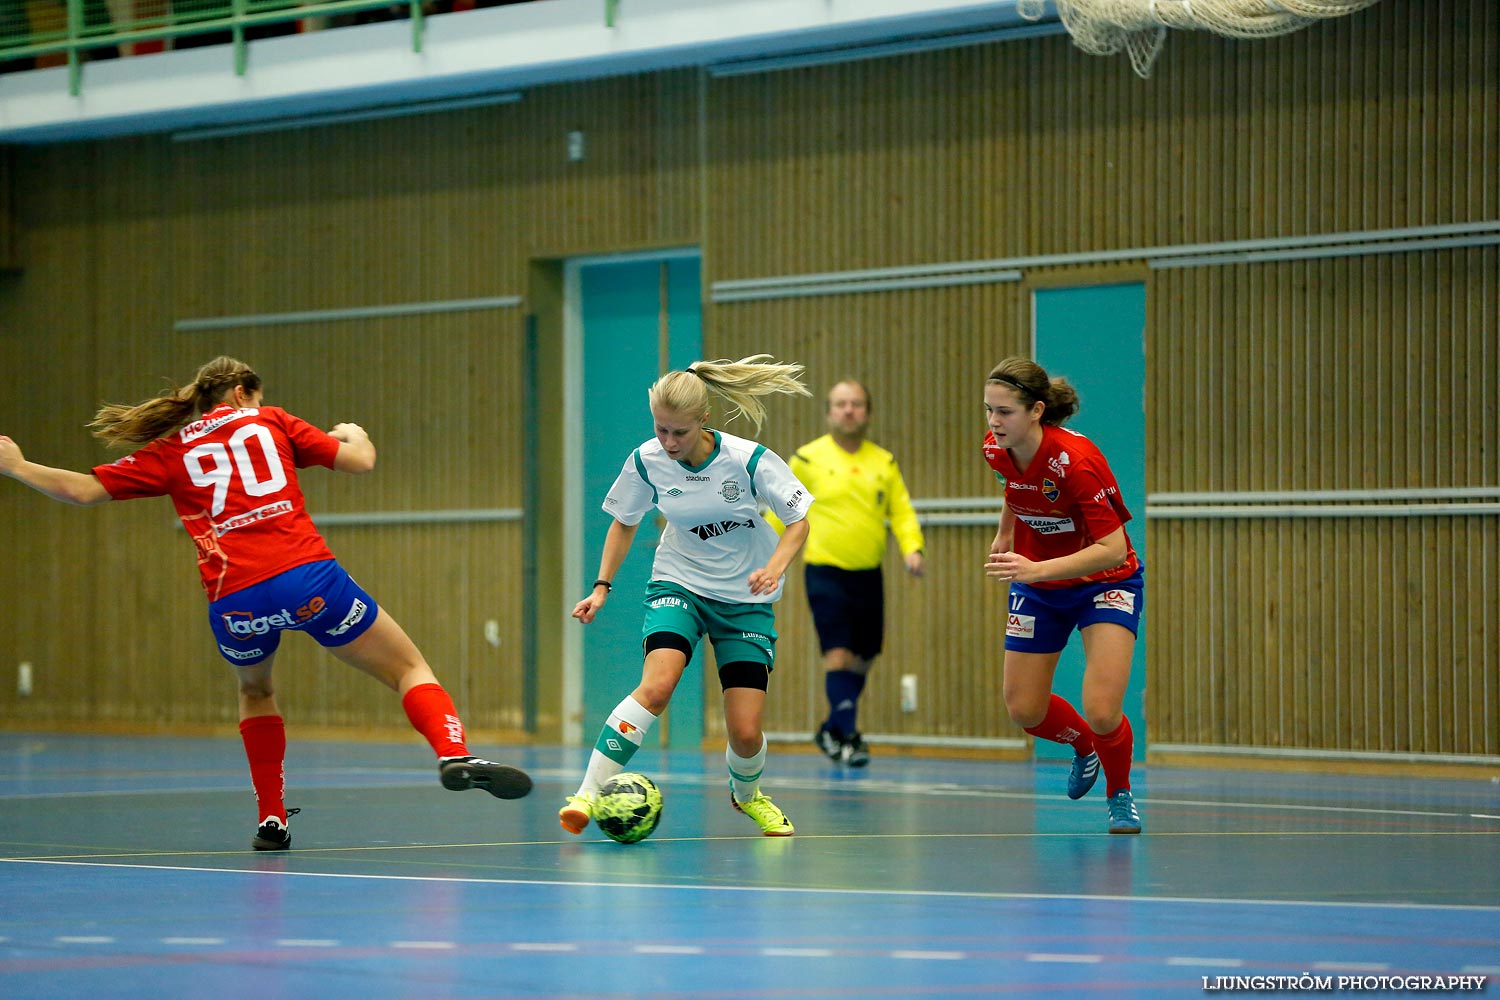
627, 807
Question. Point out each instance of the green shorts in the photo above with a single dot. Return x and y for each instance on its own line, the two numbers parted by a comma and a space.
739, 632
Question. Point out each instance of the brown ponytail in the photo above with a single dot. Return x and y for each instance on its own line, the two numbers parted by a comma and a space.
118, 424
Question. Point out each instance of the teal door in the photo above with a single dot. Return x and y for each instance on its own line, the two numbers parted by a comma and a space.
1096, 337
632, 313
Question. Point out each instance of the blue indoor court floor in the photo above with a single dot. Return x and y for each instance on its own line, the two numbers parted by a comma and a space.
125, 871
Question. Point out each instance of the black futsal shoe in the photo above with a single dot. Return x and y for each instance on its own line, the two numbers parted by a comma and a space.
829, 742
274, 834
501, 780
854, 752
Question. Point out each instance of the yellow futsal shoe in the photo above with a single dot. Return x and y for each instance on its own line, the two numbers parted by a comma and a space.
771, 820
576, 815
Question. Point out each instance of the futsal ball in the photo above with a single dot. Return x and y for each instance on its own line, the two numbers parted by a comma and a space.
627, 807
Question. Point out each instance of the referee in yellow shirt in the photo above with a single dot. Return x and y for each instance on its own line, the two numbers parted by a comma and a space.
859, 490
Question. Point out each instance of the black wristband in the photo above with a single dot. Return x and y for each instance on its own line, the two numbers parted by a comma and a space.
605, 584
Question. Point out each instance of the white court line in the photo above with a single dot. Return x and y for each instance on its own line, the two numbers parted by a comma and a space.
424, 945
785, 889
83, 939
667, 949
543, 946
794, 952
919, 788
945, 956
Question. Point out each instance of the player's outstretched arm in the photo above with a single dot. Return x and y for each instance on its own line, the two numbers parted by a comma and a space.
356, 451
81, 488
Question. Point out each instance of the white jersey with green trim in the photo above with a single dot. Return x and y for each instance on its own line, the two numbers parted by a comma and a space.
715, 535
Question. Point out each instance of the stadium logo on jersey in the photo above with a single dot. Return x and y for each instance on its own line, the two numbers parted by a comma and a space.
673, 492
241, 654
690, 478
1021, 626
1022, 486
716, 528
198, 428
730, 491
1059, 464
1049, 490
1115, 600
353, 618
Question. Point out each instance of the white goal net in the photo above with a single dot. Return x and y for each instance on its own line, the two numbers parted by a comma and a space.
1139, 27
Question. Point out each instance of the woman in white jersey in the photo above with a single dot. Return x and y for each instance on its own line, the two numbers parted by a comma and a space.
718, 568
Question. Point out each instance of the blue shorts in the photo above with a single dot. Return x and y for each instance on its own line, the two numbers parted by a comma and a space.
1040, 620
318, 598
848, 608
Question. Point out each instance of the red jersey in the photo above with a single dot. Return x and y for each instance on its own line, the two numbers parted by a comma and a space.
232, 477
1065, 500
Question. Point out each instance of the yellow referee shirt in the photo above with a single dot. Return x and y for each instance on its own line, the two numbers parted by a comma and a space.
857, 495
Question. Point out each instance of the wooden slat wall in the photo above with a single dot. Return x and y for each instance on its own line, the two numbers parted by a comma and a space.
1345, 373
1361, 633
10, 251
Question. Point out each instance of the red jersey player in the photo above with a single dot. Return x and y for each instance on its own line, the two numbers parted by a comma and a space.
1062, 547
232, 475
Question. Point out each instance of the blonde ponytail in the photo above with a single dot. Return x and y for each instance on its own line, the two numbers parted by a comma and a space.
740, 382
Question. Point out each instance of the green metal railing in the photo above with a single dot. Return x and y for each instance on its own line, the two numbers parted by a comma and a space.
87, 25
178, 19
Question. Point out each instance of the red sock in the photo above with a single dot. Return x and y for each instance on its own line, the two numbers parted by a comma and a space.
1115, 750
432, 714
1063, 724
265, 748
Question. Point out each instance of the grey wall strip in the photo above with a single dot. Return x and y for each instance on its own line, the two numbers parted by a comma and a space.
455, 516
1414, 238
872, 285
1278, 511
1454, 501
1326, 252
1440, 493
1295, 752
356, 312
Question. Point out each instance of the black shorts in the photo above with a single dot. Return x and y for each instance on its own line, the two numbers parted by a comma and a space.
848, 608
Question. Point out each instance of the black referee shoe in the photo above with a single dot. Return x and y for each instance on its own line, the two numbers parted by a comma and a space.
854, 752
